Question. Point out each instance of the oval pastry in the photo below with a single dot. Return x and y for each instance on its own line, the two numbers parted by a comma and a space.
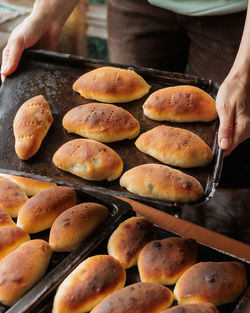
175, 146
161, 182
22, 268
40, 211
10, 238
138, 297
30, 186
12, 197
129, 238
204, 307
88, 159
31, 124
102, 122
75, 224
111, 85
164, 261
91, 281
216, 282
180, 104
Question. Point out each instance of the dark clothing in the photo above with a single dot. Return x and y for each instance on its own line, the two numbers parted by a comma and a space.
141, 34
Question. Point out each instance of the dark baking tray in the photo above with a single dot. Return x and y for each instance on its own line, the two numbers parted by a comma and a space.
204, 254
62, 264
52, 75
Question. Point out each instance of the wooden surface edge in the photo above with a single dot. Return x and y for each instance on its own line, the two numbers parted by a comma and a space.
184, 228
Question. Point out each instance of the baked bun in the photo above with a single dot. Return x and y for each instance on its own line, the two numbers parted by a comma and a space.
164, 261
129, 238
204, 307
10, 238
161, 182
111, 84
180, 104
40, 211
175, 146
30, 186
12, 197
75, 224
216, 282
31, 124
22, 268
102, 122
5, 219
88, 284
138, 297
88, 159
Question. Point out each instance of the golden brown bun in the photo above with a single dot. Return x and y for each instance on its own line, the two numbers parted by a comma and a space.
216, 282
138, 297
5, 219
102, 122
175, 146
204, 307
129, 238
30, 186
180, 104
92, 280
10, 238
111, 85
12, 197
75, 224
22, 268
161, 182
31, 124
164, 261
88, 159
40, 211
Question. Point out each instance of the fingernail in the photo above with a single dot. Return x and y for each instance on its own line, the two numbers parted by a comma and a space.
224, 143
4, 68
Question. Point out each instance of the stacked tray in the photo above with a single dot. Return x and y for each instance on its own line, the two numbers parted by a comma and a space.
52, 75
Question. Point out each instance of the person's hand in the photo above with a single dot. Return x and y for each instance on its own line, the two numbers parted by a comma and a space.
32, 32
233, 107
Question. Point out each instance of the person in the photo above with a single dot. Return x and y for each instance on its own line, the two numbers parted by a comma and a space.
165, 34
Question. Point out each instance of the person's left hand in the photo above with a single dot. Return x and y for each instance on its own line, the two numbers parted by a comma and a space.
233, 107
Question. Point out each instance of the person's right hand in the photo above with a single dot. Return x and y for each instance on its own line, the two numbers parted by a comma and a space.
32, 32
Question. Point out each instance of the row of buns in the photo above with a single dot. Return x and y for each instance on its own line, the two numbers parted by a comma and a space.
199, 287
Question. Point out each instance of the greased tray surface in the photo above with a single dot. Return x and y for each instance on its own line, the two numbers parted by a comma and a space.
204, 254
62, 264
52, 75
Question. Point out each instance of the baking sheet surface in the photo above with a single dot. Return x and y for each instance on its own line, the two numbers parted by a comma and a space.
52, 75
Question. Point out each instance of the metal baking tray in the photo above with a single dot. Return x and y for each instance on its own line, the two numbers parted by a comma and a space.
52, 75
204, 254
62, 263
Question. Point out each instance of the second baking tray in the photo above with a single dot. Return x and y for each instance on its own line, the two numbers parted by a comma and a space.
52, 75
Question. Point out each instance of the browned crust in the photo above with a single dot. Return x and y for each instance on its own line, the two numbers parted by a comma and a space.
40, 211
175, 146
216, 282
129, 238
164, 260
161, 182
111, 84
75, 224
204, 307
22, 268
138, 297
89, 159
5, 219
181, 104
31, 124
10, 238
101, 121
12, 197
94, 279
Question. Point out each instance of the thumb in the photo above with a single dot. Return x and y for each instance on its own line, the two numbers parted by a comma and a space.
226, 128
11, 56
